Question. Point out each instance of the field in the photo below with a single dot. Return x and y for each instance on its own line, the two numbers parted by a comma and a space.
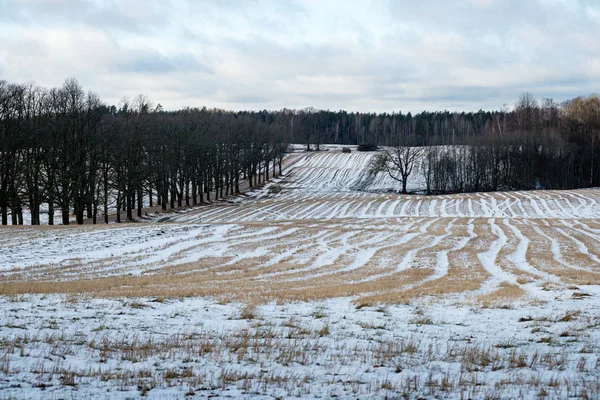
323, 283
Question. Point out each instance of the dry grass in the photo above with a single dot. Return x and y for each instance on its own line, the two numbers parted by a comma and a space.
505, 295
247, 353
314, 259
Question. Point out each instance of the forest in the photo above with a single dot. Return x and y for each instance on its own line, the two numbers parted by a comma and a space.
530, 146
67, 150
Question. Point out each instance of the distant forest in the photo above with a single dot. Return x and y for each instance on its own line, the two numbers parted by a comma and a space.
532, 146
67, 150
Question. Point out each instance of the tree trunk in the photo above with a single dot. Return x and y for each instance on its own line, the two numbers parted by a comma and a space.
79, 216
65, 214
19, 215
118, 208
173, 195
164, 200
194, 192
90, 212
266, 170
592, 164
50, 211
140, 202
129, 205
35, 211
105, 205
95, 213
187, 193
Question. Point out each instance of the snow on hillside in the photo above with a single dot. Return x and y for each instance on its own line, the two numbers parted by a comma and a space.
334, 171
335, 185
322, 284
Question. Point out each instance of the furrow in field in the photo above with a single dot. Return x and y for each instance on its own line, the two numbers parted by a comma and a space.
489, 258
323, 230
519, 256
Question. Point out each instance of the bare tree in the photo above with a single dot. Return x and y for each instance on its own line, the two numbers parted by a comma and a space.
398, 161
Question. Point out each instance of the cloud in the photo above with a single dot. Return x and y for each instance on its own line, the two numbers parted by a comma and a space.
134, 16
370, 56
156, 63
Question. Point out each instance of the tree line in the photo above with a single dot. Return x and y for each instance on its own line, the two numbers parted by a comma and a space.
547, 146
68, 151
315, 127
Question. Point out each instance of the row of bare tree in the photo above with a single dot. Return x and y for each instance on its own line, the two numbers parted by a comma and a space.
64, 150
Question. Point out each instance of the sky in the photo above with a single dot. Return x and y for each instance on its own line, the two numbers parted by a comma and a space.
357, 55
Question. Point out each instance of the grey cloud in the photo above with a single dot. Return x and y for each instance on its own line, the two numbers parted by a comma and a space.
156, 63
289, 61
102, 14
247, 99
273, 15
409, 55
493, 16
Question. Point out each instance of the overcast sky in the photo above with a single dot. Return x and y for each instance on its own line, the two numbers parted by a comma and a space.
408, 55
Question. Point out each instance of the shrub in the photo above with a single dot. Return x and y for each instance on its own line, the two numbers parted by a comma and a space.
367, 147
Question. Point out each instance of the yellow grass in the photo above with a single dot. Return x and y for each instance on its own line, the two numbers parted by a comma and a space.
322, 258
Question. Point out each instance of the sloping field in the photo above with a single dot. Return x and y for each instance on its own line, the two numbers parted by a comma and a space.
324, 284
333, 185
317, 233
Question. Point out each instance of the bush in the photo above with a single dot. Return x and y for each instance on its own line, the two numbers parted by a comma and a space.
367, 147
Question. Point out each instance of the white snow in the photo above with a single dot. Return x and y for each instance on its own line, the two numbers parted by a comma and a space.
62, 347
327, 224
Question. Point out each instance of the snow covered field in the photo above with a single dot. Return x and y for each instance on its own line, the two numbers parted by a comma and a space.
61, 347
322, 284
